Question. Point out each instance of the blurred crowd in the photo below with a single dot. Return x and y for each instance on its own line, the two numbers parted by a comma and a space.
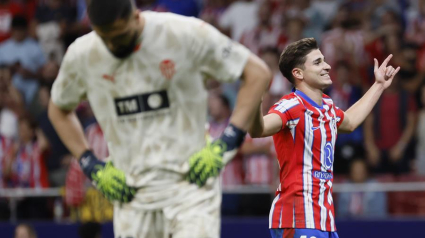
389, 146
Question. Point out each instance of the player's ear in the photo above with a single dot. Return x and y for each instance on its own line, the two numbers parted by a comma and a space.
297, 73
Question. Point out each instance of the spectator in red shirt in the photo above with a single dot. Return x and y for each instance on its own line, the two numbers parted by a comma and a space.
8, 9
28, 168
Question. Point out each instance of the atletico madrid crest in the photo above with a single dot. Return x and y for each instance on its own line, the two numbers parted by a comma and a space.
167, 68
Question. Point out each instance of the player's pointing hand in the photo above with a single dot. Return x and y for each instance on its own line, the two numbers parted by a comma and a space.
385, 74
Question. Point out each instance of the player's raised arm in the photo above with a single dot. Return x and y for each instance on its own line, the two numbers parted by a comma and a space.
357, 113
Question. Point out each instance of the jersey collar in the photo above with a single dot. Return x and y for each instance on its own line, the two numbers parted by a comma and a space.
309, 100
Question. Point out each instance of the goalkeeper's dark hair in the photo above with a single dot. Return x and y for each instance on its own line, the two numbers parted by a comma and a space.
106, 12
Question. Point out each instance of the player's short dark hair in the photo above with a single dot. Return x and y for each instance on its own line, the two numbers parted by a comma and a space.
106, 12
294, 56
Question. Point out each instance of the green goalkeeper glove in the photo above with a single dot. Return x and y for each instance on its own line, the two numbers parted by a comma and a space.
211, 159
206, 163
110, 181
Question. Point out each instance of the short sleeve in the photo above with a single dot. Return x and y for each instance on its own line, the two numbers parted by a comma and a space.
69, 88
218, 56
339, 116
286, 109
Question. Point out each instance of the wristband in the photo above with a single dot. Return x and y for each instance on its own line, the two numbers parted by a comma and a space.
233, 137
88, 162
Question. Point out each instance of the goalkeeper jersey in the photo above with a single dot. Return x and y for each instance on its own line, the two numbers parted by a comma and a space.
151, 106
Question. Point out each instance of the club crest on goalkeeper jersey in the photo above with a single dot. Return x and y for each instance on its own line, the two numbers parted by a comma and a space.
151, 106
305, 151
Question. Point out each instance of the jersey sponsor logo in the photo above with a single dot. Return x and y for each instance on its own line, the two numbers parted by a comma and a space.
329, 156
142, 103
323, 175
167, 68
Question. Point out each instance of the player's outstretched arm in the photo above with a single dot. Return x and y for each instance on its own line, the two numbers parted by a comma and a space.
108, 179
357, 113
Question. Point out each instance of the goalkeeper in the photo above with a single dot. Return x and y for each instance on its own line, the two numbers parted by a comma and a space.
143, 74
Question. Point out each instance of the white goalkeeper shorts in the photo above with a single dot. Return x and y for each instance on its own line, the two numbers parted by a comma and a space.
197, 216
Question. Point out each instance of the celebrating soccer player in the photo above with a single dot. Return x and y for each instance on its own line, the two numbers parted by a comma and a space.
304, 126
143, 74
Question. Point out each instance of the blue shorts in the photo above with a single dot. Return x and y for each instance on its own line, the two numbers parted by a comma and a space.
302, 233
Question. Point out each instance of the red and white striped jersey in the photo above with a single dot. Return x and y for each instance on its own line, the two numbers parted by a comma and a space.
305, 152
28, 169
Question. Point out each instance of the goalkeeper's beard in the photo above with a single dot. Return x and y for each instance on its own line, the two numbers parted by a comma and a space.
125, 51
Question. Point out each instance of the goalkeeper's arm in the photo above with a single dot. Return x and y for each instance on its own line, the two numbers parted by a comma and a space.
109, 180
69, 129
255, 80
210, 160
